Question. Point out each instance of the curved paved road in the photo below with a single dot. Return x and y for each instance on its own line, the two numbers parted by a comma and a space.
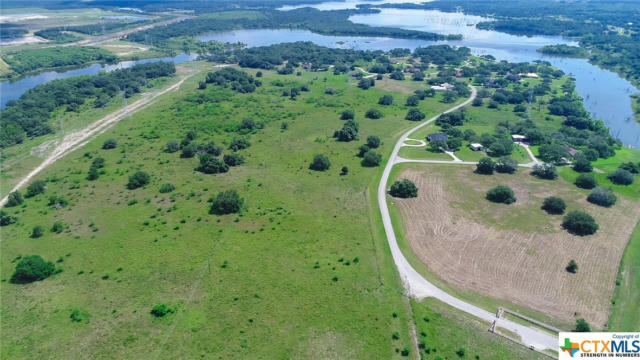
419, 287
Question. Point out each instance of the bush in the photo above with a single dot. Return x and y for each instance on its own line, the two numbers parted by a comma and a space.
160, 310
167, 188
506, 165
188, 151
404, 189
485, 166
110, 144
364, 84
37, 231
57, 227
98, 163
572, 267
582, 326
454, 143
385, 100
554, 205
373, 141
93, 174
501, 194
371, 158
344, 171
172, 146
79, 316
233, 159
32, 268
477, 102
14, 199
363, 150
415, 115
212, 149
545, 171
349, 131
35, 188
226, 202
347, 115
601, 196
239, 144
320, 163
579, 223
211, 165
6, 219
438, 146
139, 179
586, 181
373, 114
412, 100
621, 177
631, 167
582, 164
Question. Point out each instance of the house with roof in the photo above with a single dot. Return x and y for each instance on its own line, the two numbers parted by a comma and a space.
519, 139
571, 151
476, 147
443, 87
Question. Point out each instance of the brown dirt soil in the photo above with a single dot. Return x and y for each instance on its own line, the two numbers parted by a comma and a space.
515, 252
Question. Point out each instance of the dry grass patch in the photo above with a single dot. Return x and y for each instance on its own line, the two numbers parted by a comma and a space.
516, 252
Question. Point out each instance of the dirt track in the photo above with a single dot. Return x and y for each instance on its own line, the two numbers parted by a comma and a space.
77, 139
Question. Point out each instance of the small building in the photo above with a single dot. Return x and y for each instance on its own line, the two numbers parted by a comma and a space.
476, 147
393, 61
529, 75
437, 136
458, 74
519, 138
571, 151
412, 70
443, 87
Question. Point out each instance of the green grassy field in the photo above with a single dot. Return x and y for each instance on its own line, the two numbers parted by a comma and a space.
624, 310
235, 280
445, 332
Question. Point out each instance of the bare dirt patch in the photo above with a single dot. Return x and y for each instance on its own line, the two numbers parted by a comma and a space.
515, 252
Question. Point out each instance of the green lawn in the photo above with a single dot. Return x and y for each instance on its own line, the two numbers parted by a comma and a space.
624, 313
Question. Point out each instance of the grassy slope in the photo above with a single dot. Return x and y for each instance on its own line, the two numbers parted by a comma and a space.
625, 315
171, 250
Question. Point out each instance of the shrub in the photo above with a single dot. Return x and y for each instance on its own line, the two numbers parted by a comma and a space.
621, 177
6, 219
414, 115
226, 202
582, 164
438, 145
93, 174
579, 223
347, 115
37, 231
501, 194
365, 84
601, 196
109, 144
329, 91
320, 163
404, 189
247, 125
239, 143
233, 159
98, 163
211, 165
582, 326
79, 316
586, 181
454, 143
385, 100
373, 114
32, 268
552, 153
397, 75
371, 158
344, 171
631, 167
14, 199
373, 141
212, 149
188, 151
349, 131
554, 205
35, 188
412, 100
506, 165
477, 102
485, 166
363, 150
160, 310
57, 227
167, 188
139, 179
545, 171
572, 267
172, 146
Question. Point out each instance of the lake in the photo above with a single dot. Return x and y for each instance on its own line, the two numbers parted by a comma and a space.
13, 90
